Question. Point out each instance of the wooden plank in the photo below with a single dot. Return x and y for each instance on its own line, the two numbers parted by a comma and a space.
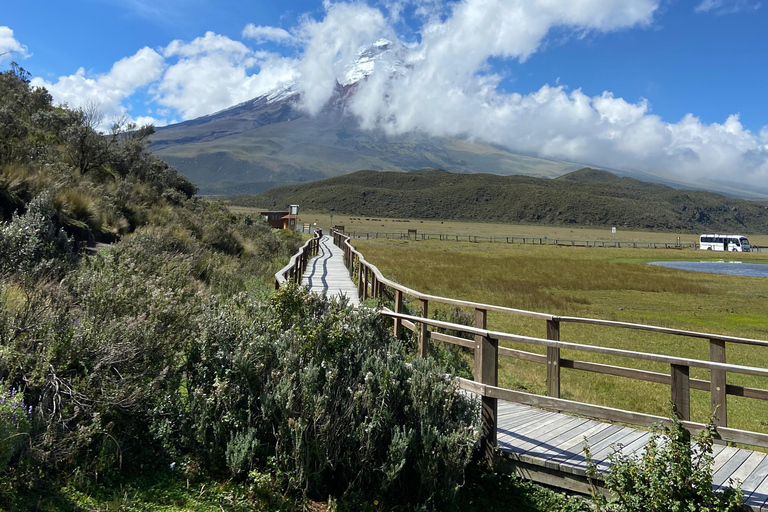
577, 463
543, 444
575, 430
746, 469
423, 334
525, 356
553, 360
454, 340
723, 457
718, 385
573, 446
601, 457
610, 414
732, 464
662, 330
752, 482
541, 434
681, 391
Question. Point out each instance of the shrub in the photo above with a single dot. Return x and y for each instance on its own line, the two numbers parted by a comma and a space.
671, 475
15, 422
326, 398
31, 244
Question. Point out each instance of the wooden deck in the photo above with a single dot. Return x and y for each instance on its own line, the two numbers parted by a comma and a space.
326, 273
548, 447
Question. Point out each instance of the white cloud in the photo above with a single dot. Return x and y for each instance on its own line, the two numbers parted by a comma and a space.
214, 72
10, 46
332, 43
108, 90
448, 90
721, 7
262, 34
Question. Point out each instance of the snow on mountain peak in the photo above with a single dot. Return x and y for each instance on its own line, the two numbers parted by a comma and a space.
385, 55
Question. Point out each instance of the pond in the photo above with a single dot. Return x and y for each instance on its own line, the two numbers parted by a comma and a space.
734, 268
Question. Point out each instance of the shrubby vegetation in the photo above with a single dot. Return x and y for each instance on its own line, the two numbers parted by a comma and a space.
166, 352
671, 475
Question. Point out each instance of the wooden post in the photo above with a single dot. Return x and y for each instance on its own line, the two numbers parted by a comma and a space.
365, 283
359, 278
681, 391
553, 360
374, 285
487, 372
398, 309
718, 384
423, 340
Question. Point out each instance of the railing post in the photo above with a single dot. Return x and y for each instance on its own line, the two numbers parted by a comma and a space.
374, 285
718, 384
681, 391
423, 340
553, 360
398, 309
360, 282
487, 372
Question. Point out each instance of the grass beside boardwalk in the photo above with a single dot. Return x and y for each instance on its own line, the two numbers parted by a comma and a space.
605, 283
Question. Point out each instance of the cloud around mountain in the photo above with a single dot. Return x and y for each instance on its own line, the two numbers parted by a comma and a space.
444, 85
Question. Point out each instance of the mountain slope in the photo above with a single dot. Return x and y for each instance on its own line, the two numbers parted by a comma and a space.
585, 197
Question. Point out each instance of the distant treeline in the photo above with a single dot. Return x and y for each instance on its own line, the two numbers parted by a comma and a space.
587, 197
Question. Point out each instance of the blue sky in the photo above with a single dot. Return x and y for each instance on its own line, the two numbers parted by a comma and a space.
652, 85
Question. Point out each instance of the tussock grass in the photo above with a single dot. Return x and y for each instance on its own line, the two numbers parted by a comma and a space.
612, 284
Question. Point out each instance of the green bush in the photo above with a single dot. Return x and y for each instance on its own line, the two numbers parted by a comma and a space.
326, 398
15, 423
32, 244
671, 475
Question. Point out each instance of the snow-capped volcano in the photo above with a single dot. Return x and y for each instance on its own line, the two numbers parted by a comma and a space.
270, 140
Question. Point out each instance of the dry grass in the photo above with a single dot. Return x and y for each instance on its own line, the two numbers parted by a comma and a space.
614, 284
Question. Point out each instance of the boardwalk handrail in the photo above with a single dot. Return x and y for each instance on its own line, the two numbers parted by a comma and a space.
486, 352
298, 263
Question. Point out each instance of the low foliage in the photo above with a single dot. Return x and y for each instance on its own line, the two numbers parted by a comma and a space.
671, 475
327, 399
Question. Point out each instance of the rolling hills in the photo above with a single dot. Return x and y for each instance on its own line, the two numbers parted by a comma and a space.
586, 197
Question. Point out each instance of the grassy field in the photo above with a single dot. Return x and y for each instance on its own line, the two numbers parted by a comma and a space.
485, 229
614, 284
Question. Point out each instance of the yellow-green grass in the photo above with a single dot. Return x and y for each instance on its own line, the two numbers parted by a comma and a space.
613, 284
484, 229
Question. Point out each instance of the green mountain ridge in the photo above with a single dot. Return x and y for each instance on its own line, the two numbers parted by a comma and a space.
587, 197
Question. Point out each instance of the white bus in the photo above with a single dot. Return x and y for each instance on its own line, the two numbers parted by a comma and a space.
736, 243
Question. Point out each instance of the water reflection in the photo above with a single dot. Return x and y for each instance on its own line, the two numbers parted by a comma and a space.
735, 268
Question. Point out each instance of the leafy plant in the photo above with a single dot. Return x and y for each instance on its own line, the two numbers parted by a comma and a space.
15, 424
671, 475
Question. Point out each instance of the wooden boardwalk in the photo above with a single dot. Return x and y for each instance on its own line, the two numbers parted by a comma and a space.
326, 273
548, 447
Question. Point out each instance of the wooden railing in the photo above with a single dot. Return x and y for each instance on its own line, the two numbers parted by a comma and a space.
487, 351
298, 263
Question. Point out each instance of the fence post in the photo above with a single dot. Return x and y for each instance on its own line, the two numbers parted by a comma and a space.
681, 391
553, 360
365, 284
487, 372
398, 309
423, 341
718, 384
359, 278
